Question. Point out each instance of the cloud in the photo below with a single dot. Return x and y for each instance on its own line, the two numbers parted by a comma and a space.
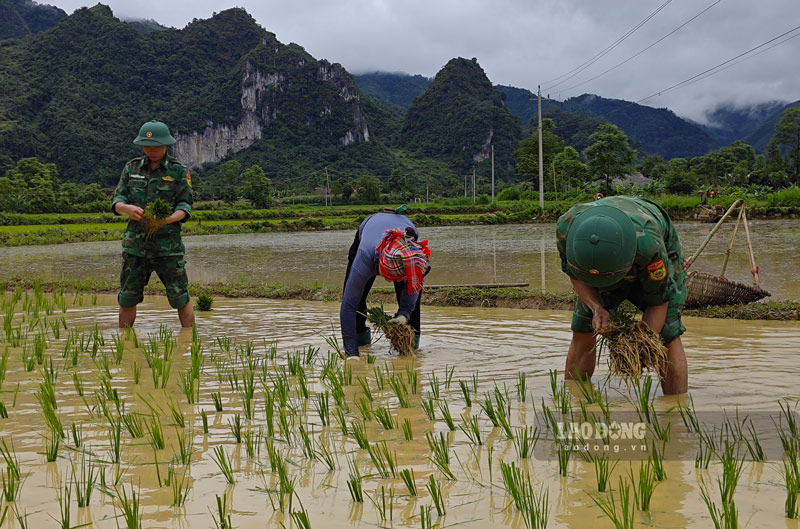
529, 42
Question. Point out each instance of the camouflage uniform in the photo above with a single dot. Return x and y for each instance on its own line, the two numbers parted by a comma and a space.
163, 252
657, 275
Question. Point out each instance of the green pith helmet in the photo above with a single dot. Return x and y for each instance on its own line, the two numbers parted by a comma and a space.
153, 134
601, 245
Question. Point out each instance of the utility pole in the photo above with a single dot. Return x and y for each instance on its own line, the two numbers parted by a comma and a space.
555, 187
465, 186
541, 162
328, 185
427, 190
473, 185
493, 173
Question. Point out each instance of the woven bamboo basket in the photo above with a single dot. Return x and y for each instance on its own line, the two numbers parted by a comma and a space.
706, 289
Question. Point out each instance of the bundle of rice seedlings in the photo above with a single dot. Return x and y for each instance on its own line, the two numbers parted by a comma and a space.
401, 336
632, 346
155, 215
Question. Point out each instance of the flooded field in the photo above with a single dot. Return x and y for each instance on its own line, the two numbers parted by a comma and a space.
256, 417
461, 254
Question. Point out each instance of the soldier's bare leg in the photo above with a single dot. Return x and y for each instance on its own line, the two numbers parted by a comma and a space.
580, 357
676, 379
127, 315
186, 315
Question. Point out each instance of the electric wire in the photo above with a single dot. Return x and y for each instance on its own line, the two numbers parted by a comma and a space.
575, 71
644, 50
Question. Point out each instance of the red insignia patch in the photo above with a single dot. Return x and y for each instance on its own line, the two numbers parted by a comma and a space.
657, 271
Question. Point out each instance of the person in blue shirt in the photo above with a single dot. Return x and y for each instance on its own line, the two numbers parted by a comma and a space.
386, 244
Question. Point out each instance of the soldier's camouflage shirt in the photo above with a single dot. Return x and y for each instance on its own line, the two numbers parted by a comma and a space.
139, 185
658, 265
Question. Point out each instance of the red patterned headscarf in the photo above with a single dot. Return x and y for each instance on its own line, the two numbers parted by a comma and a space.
403, 258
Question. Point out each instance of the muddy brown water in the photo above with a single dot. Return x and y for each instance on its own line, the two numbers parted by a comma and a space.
744, 365
461, 254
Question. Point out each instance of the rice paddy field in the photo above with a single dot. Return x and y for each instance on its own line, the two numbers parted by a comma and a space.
253, 420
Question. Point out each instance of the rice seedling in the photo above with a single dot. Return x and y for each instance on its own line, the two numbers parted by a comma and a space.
189, 387
440, 453
204, 419
656, 458
365, 407
50, 416
706, 447
525, 441
643, 490
689, 416
77, 435
235, 426
64, 495
435, 490
300, 518
359, 432
533, 507
384, 417
602, 470
155, 433
727, 518
408, 435
223, 519
11, 483
217, 399
341, 420
382, 505
269, 411
564, 450
489, 409
466, 393
425, 517
753, 444
433, 382
470, 427
308, 449
521, 386
3, 365
400, 390
364, 383
137, 372
185, 448
3, 410
502, 414
180, 488
84, 484
354, 482
791, 474
322, 405
731, 471
177, 414
220, 457
407, 475
446, 416
631, 346
51, 445
400, 336
114, 435
380, 378
324, 455
428, 405
28, 361
22, 518
134, 424
622, 515
302, 383
383, 459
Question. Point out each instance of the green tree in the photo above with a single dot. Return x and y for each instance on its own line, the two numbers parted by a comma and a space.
610, 155
570, 167
256, 187
347, 191
229, 180
788, 136
37, 183
369, 188
654, 167
527, 155
680, 178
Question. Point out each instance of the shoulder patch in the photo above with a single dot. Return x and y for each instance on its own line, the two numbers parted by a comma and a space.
657, 271
189, 179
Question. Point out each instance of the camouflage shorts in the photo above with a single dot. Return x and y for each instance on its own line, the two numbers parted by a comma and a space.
673, 326
136, 273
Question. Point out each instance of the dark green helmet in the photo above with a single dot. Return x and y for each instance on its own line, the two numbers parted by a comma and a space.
153, 134
601, 245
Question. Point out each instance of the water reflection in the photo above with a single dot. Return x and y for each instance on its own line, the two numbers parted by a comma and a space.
461, 254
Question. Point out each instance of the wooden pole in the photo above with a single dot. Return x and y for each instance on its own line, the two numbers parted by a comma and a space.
753, 267
713, 231
555, 188
730, 246
541, 161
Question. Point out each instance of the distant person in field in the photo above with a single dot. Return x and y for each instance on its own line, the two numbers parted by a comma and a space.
387, 245
622, 248
143, 180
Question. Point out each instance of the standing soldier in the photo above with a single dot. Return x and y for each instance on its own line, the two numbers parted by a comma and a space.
143, 180
386, 244
616, 249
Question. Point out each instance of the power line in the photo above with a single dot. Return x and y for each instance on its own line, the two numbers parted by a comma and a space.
575, 71
644, 50
716, 69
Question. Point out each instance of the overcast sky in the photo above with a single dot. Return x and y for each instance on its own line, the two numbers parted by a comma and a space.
524, 43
